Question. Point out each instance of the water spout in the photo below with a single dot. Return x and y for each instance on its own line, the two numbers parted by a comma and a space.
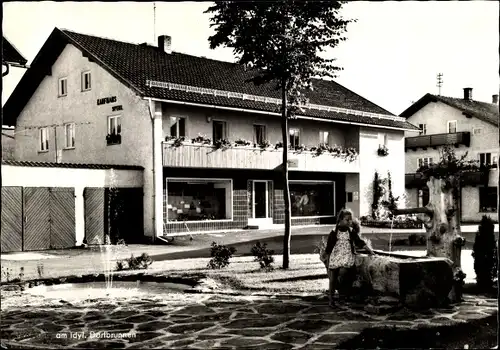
390, 235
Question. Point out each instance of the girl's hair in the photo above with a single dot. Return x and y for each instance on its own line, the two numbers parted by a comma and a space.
341, 215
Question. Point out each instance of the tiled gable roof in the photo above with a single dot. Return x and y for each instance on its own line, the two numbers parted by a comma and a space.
487, 112
134, 64
10, 53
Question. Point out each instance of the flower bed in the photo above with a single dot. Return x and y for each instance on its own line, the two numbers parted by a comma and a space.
406, 223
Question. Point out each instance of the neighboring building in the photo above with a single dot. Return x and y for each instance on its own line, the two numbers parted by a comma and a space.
472, 127
11, 57
95, 100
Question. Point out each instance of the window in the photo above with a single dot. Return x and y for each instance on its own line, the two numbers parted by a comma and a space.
324, 138
382, 139
294, 137
312, 198
219, 130
63, 87
69, 135
198, 199
476, 131
494, 160
44, 139
259, 134
488, 199
485, 158
177, 126
114, 130
86, 85
423, 129
452, 126
426, 161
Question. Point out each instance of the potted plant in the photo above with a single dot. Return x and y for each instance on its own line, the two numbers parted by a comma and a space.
382, 150
113, 139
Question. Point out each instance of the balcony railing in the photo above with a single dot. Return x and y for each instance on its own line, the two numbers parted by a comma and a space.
206, 156
424, 141
469, 178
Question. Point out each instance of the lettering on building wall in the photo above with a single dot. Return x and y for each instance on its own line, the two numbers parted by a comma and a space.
102, 101
117, 108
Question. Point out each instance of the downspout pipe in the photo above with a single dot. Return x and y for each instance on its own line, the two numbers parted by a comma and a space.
152, 116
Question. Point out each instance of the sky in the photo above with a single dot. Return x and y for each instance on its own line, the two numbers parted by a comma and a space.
392, 56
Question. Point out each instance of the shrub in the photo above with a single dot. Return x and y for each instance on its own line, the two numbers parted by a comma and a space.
220, 255
484, 252
263, 256
141, 262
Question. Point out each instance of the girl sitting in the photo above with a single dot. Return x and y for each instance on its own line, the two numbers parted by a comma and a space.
340, 249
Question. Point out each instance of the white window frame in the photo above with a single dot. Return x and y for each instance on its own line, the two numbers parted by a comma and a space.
423, 129
72, 128
225, 129
492, 155
422, 161
264, 133
60, 91
117, 117
177, 118
382, 139
84, 74
183, 179
290, 139
333, 183
43, 139
322, 135
448, 126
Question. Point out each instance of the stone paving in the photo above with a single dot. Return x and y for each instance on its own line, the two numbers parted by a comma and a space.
203, 320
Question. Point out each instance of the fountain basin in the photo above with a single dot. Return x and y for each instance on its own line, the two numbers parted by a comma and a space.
420, 282
97, 290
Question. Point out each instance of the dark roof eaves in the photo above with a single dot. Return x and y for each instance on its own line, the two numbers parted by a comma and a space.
410, 127
72, 165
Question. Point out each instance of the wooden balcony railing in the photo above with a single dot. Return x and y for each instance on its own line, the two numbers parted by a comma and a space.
424, 141
206, 156
469, 178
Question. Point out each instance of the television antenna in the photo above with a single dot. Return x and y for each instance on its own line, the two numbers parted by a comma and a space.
439, 78
154, 22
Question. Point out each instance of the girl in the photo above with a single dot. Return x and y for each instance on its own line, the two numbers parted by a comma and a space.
340, 249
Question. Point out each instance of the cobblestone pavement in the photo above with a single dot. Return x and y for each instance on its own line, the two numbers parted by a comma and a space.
201, 321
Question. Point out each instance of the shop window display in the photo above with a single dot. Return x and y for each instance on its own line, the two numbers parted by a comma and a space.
312, 199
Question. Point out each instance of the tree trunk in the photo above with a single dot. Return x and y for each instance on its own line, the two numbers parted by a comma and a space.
443, 229
286, 191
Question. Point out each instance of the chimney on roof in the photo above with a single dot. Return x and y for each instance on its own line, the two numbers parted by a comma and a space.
468, 94
494, 99
165, 43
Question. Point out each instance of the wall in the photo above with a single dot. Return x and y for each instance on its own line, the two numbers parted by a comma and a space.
352, 185
369, 141
8, 144
240, 125
435, 116
71, 177
46, 108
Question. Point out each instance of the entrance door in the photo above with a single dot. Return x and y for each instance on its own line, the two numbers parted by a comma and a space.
260, 199
260, 205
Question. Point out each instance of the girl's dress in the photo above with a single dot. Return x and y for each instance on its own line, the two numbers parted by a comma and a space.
341, 255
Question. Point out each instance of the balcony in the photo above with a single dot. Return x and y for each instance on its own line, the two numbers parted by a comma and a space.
206, 156
469, 178
424, 141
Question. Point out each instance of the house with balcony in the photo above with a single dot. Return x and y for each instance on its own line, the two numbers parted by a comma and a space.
208, 140
470, 127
